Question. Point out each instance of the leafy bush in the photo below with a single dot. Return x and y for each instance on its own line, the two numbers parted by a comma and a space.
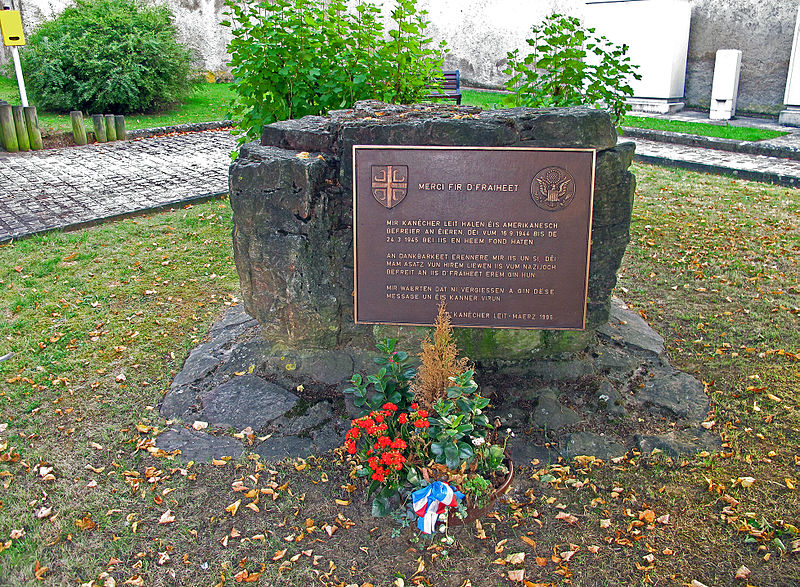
100, 56
291, 58
570, 65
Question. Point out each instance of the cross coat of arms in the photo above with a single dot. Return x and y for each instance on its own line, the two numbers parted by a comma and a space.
389, 184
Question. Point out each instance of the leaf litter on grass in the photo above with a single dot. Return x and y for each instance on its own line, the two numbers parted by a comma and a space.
712, 264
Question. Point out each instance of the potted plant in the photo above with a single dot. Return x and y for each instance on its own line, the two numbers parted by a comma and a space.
423, 438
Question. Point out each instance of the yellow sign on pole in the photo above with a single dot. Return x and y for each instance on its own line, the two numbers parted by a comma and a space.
11, 27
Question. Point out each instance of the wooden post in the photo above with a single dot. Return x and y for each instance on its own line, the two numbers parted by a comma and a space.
7, 129
119, 125
22, 132
111, 132
99, 122
32, 122
78, 130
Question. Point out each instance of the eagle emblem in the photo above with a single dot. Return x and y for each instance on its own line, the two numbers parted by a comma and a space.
553, 188
389, 184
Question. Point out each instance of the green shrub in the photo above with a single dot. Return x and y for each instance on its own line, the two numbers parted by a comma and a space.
100, 56
291, 58
570, 65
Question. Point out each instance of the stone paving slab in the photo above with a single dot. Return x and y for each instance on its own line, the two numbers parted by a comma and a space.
73, 186
745, 166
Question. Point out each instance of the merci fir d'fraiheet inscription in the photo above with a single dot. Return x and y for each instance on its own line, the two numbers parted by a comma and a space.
502, 235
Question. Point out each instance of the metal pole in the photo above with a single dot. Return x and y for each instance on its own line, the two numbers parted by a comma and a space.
23, 96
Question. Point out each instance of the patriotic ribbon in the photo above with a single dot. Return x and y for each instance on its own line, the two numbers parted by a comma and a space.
431, 501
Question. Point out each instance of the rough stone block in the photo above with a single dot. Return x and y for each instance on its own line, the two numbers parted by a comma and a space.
293, 217
310, 133
245, 401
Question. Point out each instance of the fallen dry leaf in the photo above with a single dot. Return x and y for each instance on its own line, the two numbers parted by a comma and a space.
166, 518
516, 558
566, 555
43, 512
648, 516
39, 571
517, 576
568, 518
529, 541
279, 554
742, 572
480, 533
199, 425
234, 507
85, 523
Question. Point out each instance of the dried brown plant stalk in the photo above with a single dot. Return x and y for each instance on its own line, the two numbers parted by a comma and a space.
440, 362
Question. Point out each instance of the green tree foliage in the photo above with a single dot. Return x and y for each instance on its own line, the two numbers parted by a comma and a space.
291, 58
100, 56
570, 65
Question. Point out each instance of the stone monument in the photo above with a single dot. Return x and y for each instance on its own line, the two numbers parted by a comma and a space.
279, 375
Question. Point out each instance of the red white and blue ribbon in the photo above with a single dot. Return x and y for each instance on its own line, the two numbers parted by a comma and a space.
431, 501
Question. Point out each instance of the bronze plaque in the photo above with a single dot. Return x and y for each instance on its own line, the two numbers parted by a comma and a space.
501, 234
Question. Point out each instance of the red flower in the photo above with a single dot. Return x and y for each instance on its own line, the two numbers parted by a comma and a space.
422, 413
384, 442
351, 447
402, 418
414, 406
422, 424
364, 423
399, 443
390, 406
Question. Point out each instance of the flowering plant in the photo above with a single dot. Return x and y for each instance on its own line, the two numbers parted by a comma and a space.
435, 430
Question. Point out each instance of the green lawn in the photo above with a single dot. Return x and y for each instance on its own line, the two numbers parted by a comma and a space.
100, 320
489, 100
209, 102
725, 131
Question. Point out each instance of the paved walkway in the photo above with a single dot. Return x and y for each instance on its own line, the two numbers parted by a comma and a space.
68, 187
75, 186
755, 167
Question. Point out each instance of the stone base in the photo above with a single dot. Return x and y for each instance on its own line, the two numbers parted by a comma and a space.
618, 394
790, 116
656, 105
721, 113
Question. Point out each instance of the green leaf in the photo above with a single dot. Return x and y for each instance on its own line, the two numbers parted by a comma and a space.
381, 507
451, 455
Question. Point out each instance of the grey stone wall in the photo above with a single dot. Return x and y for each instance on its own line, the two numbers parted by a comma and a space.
292, 202
761, 30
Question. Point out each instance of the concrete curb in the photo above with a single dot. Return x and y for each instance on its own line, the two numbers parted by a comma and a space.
146, 133
762, 176
719, 144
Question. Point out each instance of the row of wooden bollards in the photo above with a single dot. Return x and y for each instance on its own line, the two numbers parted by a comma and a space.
107, 127
19, 128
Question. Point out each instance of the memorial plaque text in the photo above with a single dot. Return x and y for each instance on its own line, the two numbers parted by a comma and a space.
502, 235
